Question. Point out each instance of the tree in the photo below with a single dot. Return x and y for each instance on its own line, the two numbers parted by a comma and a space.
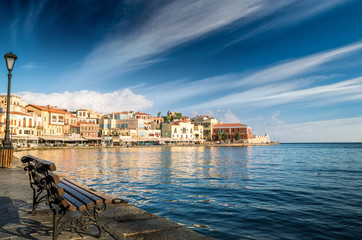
178, 115
224, 136
218, 137
237, 136
159, 114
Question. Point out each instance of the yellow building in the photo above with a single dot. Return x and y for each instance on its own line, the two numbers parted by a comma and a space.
51, 120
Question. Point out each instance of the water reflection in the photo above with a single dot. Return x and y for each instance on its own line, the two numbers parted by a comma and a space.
156, 165
176, 182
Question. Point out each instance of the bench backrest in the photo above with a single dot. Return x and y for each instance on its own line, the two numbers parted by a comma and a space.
61, 191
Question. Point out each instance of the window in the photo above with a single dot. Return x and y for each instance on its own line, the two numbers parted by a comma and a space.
54, 118
30, 122
24, 122
61, 118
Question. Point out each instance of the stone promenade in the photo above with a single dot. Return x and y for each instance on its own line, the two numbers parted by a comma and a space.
120, 221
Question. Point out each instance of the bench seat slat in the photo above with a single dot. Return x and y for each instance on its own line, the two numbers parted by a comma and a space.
58, 190
79, 205
97, 200
106, 200
77, 195
67, 204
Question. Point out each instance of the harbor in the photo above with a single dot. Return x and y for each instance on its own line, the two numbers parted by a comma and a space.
266, 191
120, 221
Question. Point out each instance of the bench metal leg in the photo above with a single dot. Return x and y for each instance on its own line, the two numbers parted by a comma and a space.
86, 218
37, 199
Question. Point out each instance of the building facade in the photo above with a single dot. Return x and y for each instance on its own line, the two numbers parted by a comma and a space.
233, 131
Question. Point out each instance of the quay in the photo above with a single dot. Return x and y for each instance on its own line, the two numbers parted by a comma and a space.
121, 221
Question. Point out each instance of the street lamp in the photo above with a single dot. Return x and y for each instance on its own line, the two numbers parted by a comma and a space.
10, 59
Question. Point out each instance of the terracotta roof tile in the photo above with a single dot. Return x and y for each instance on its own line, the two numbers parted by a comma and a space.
229, 125
20, 113
48, 109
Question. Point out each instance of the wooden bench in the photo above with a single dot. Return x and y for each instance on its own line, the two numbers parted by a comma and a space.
62, 196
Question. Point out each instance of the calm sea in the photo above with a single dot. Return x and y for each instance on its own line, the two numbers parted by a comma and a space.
287, 191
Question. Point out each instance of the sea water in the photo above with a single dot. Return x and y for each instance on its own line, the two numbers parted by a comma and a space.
287, 191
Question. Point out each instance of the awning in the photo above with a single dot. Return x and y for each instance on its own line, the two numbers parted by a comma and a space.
92, 138
52, 138
74, 139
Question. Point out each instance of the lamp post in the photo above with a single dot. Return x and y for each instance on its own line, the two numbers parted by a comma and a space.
10, 61
7, 149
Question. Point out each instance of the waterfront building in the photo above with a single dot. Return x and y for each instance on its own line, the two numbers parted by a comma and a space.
82, 115
178, 130
207, 122
88, 130
107, 126
153, 133
157, 120
125, 126
232, 130
145, 116
199, 132
69, 119
121, 115
50, 119
260, 139
156, 123
16, 104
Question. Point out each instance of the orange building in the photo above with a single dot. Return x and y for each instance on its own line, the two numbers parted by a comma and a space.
231, 130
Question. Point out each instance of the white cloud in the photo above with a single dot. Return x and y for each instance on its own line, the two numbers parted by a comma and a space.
225, 116
100, 102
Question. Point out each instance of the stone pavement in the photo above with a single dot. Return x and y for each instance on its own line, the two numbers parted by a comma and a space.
120, 221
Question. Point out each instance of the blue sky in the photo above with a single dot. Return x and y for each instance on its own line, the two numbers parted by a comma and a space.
289, 68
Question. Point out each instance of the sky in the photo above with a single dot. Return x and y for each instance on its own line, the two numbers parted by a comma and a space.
289, 68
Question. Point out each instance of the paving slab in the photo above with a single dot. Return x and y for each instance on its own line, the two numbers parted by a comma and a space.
120, 221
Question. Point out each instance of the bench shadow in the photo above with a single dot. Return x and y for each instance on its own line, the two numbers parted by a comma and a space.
14, 221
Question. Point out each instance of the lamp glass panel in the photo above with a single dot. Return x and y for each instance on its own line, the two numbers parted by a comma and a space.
10, 63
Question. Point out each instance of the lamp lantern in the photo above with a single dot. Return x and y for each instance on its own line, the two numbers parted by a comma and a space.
10, 59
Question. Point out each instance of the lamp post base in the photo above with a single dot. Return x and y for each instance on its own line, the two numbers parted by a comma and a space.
6, 157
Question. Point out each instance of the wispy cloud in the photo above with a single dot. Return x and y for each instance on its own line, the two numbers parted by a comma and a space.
293, 68
175, 24
277, 84
27, 18
170, 25
32, 65
335, 130
295, 12
99, 102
